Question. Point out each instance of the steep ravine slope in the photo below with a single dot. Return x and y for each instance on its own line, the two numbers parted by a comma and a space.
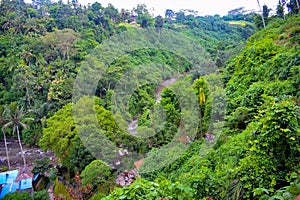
257, 155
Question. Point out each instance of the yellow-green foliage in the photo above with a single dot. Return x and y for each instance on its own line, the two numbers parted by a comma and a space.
60, 190
240, 23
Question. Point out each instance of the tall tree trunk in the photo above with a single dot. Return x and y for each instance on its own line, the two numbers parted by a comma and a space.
283, 3
21, 147
6, 149
260, 11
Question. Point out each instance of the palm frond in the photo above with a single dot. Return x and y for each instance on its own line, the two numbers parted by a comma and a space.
25, 126
7, 125
28, 119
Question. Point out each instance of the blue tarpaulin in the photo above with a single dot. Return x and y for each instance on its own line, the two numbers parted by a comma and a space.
25, 184
7, 180
8, 177
9, 188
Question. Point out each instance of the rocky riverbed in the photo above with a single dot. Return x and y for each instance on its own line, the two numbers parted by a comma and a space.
32, 153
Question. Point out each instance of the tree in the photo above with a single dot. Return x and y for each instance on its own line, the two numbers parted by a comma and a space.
262, 17
2, 121
159, 23
180, 17
125, 14
96, 7
62, 138
293, 6
202, 92
170, 15
15, 117
25, 80
60, 43
141, 9
201, 102
60, 133
144, 20
112, 12
266, 12
79, 157
280, 10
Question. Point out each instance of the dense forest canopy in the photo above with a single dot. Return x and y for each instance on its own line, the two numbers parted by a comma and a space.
208, 105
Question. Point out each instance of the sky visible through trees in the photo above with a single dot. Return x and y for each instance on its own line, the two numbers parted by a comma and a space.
204, 7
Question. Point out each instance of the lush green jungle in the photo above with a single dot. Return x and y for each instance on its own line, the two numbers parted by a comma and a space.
240, 141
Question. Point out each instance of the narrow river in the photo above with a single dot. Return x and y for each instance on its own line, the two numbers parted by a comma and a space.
133, 125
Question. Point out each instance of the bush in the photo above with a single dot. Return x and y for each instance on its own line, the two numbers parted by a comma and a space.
96, 172
17, 196
41, 195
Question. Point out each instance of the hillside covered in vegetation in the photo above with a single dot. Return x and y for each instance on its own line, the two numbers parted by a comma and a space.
240, 141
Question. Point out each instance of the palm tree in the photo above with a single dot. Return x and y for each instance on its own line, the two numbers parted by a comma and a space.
2, 121
15, 117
